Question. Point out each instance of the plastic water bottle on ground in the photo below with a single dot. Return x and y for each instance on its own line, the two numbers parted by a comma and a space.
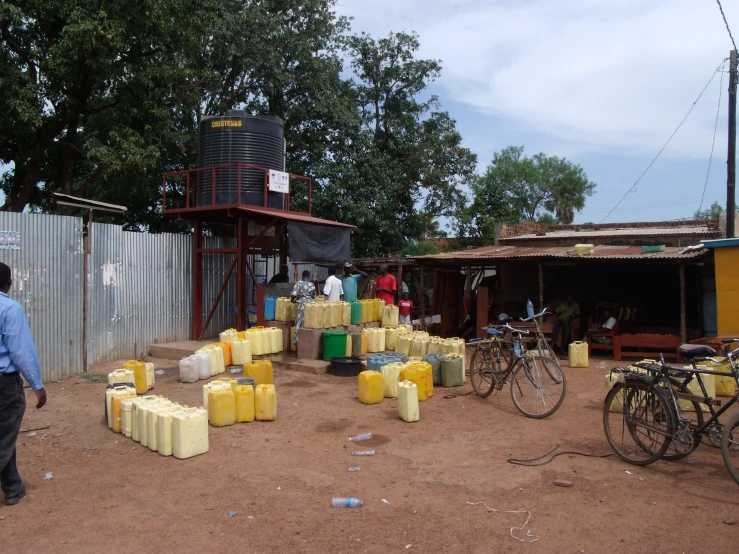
529, 308
364, 452
361, 437
342, 502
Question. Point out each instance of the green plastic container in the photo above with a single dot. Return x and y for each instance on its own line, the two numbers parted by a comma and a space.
356, 344
334, 344
356, 313
452, 371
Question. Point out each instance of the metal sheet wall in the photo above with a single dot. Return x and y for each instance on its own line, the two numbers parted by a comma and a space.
47, 281
140, 291
215, 267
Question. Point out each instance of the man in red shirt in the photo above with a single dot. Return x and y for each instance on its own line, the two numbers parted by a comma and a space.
385, 286
405, 306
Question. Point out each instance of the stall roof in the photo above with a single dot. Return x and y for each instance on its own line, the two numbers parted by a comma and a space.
503, 253
625, 231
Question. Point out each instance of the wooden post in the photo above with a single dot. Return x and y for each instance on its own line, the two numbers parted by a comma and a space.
482, 311
683, 317
241, 229
423, 297
541, 287
468, 289
731, 159
87, 243
197, 283
400, 281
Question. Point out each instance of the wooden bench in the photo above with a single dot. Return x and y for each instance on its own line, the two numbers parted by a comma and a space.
646, 345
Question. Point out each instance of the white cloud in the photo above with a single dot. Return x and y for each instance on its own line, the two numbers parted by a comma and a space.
593, 74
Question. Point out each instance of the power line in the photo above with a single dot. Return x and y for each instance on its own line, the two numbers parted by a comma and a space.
633, 187
720, 7
713, 142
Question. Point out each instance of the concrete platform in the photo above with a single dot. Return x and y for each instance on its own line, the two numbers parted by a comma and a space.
176, 350
316, 367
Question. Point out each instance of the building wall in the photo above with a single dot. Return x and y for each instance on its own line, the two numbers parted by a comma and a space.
727, 289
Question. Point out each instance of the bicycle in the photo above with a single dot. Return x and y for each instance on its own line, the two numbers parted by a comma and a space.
537, 383
542, 345
643, 421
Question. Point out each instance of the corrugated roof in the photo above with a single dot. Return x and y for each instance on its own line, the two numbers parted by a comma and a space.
295, 216
567, 252
620, 232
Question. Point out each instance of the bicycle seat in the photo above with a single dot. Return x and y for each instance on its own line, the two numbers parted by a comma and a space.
691, 351
504, 318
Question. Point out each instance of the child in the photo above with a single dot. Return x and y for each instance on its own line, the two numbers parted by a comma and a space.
405, 306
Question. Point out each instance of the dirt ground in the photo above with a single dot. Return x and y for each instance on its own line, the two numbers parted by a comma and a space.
110, 494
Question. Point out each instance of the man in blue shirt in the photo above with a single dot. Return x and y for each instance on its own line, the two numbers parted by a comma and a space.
17, 357
350, 281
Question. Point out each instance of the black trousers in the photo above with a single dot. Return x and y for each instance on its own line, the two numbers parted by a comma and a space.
12, 408
566, 335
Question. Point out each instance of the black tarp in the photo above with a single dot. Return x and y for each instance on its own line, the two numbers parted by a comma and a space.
317, 243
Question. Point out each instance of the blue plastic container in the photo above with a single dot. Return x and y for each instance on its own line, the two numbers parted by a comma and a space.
270, 305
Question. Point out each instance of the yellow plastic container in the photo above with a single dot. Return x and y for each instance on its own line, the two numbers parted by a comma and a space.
127, 417
265, 403
152, 416
371, 390
260, 341
189, 432
229, 335
391, 378
348, 345
380, 309
144, 416
584, 250
725, 386
320, 299
375, 309
226, 347
578, 354
346, 314
390, 316
221, 407
260, 371
404, 343
120, 376
117, 398
418, 347
207, 387
293, 346
241, 352
408, 408
165, 418
364, 344
109, 395
275, 339
366, 310
136, 416
244, 403
139, 377
313, 316
215, 353
337, 314
391, 338
420, 374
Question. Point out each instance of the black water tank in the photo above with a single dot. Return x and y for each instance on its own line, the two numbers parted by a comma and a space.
238, 137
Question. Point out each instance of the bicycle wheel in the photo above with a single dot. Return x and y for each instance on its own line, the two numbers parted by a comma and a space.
546, 351
538, 387
482, 371
686, 440
730, 446
638, 421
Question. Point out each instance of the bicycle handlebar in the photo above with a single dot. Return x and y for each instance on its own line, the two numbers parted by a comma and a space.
543, 312
514, 330
728, 341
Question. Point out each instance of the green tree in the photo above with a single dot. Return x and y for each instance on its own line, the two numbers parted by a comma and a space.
516, 187
713, 212
87, 88
401, 165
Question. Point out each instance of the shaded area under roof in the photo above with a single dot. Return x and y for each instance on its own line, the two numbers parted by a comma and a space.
503, 253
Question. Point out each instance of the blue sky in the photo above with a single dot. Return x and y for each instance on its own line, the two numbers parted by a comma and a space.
603, 83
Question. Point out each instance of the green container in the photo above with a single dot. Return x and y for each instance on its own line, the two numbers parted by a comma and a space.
356, 343
452, 371
435, 360
356, 313
651, 249
334, 344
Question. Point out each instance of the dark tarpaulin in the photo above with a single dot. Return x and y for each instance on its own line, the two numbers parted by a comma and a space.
317, 243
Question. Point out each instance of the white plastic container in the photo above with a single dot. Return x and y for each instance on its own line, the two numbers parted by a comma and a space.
164, 430
189, 369
127, 417
189, 432
203, 364
120, 376
408, 409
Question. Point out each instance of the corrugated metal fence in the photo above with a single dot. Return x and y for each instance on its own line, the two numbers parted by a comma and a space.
47, 281
139, 288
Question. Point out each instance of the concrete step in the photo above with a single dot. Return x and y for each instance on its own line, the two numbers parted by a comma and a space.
176, 350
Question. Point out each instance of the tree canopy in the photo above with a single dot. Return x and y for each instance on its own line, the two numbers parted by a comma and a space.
714, 211
516, 187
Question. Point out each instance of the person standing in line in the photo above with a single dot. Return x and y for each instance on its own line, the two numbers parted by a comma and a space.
332, 289
405, 306
564, 312
385, 286
304, 292
17, 357
282, 276
350, 281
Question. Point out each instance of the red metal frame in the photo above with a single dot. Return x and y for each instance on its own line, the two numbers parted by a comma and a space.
191, 188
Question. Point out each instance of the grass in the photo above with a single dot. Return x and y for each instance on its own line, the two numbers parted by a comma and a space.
95, 377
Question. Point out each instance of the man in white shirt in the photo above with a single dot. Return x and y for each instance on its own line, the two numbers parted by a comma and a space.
332, 289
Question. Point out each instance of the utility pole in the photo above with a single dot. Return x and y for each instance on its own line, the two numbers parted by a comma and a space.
731, 160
